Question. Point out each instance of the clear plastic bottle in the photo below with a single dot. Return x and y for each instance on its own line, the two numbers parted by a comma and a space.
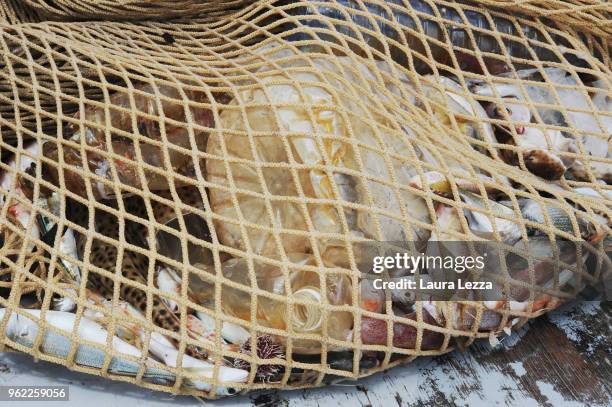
304, 290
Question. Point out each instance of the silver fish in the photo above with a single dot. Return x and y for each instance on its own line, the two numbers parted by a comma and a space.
417, 16
454, 100
533, 211
164, 350
482, 224
589, 226
24, 330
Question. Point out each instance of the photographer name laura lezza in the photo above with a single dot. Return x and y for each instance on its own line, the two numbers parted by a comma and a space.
421, 284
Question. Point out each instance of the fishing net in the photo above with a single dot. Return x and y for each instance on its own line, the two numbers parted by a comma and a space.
202, 205
63, 10
11, 12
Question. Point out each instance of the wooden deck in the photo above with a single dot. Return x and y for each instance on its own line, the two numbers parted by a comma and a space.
562, 359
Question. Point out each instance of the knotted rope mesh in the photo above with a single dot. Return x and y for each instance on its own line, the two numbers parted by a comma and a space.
206, 190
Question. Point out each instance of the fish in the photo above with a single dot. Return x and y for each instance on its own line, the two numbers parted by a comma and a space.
453, 99
65, 303
483, 225
370, 298
168, 354
464, 32
24, 331
128, 320
534, 211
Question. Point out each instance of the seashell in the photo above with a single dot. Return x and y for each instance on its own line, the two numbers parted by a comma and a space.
370, 298
436, 182
544, 164
518, 116
462, 316
544, 302
448, 221
600, 170
542, 151
374, 332
533, 211
593, 127
600, 163
518, 113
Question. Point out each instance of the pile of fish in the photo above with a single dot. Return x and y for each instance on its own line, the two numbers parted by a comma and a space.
331, 162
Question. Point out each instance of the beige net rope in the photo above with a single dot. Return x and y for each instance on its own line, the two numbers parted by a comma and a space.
13, 12
128, 9
196, 205
590, 15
